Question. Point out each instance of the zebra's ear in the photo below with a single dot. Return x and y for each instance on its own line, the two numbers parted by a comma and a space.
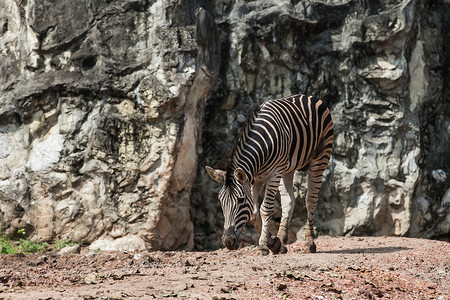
217, 175
240, 175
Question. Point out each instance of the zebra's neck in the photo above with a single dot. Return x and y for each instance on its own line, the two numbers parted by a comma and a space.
237, 164
241, 159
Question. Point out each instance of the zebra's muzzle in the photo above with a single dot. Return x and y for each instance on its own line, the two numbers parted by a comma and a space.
230, 239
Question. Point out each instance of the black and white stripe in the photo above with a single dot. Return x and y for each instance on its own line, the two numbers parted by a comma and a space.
284, 135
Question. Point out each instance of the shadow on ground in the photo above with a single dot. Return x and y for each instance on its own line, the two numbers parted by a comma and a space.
367, 250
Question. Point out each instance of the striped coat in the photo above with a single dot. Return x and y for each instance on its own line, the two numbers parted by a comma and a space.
284, 135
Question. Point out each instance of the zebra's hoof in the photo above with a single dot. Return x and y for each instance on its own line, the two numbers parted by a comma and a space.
310, 247
276, 246
283, 249
262, 251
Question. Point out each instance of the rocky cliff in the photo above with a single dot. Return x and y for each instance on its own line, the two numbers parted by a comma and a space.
101, 108
109, 111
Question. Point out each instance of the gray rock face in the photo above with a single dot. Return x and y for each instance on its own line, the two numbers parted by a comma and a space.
105, 128
383, 69
97, 101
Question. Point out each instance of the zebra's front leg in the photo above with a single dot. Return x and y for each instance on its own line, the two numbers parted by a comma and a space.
257, 194
287, 206
266, 241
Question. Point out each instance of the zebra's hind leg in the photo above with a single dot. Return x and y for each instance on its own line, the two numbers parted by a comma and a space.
315, 172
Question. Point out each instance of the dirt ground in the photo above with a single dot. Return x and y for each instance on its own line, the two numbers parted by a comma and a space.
343, 268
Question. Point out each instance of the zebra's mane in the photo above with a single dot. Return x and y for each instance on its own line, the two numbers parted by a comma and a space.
252, 113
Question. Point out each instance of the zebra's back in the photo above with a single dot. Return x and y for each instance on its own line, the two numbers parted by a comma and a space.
285, 135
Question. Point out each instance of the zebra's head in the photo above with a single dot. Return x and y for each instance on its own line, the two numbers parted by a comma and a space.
236, 200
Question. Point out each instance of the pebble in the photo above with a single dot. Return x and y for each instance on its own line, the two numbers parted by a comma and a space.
70, 250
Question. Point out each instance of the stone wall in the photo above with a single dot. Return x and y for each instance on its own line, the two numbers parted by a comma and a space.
109, 111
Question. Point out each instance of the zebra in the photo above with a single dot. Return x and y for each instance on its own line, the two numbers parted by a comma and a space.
283, 136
